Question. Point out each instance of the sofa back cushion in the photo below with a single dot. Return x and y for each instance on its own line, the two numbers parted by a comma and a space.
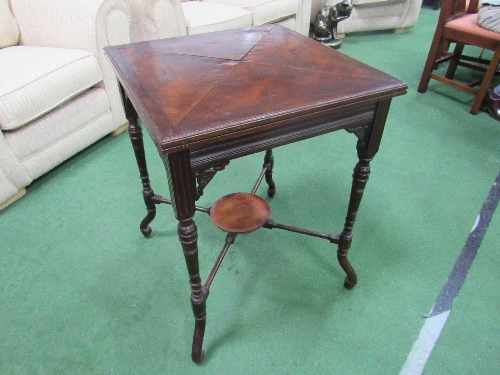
9, 31
265, 11
368, 2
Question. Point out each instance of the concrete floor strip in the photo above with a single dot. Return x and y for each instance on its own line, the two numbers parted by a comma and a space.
424, 345
436, 319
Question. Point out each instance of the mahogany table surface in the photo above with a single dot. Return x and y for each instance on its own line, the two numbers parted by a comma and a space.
195, 90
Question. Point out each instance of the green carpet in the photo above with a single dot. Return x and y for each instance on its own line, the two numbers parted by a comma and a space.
82, 292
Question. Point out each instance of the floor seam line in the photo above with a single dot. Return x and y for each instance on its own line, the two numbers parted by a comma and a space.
436, 319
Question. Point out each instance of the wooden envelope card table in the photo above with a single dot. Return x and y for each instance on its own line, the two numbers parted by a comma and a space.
209, 98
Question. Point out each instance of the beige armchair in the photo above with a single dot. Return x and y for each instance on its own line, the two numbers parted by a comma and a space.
155, 19
58, 91
370, 15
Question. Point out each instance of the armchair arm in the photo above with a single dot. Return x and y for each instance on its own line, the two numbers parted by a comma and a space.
89, 25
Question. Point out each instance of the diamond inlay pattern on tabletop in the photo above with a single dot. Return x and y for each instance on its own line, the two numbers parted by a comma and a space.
208, 83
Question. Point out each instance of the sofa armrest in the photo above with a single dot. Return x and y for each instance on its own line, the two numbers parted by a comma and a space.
155, 19
411, 12
89, 25
82, 24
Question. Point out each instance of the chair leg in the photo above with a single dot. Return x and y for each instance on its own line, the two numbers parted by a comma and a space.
452, 67
402, 30
11, 200
434, 54
120, 130
478, 101
424, 80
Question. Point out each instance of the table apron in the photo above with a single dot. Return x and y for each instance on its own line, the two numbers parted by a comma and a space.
216, 153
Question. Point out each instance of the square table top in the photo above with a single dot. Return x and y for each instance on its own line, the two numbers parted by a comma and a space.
200, 88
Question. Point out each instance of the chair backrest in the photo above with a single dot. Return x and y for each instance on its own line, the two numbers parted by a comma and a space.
451, 9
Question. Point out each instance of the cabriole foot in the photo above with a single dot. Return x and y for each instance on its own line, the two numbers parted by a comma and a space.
351, 278
145, 228
348, 284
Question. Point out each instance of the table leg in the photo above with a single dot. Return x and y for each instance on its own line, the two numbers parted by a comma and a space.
183, 190
368, 143
135, 134
269, 159
360, 178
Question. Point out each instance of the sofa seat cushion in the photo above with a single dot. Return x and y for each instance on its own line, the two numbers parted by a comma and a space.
38, 79
38, 144
204, 17
265, 11
9, 31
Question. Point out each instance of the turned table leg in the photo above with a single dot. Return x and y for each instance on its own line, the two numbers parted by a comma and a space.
368, 143
269, 160
183, 190
359, 180
136, 137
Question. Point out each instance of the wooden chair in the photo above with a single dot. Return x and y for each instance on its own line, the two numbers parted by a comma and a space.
458, 24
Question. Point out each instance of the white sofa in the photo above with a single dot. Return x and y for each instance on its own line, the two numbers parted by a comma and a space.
155, 19
58, 91
371, 15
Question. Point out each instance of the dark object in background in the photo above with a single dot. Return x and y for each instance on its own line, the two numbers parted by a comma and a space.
327, 20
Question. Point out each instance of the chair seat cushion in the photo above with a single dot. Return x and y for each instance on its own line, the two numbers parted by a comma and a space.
204, 17
265, 11
36, 80
469, 24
